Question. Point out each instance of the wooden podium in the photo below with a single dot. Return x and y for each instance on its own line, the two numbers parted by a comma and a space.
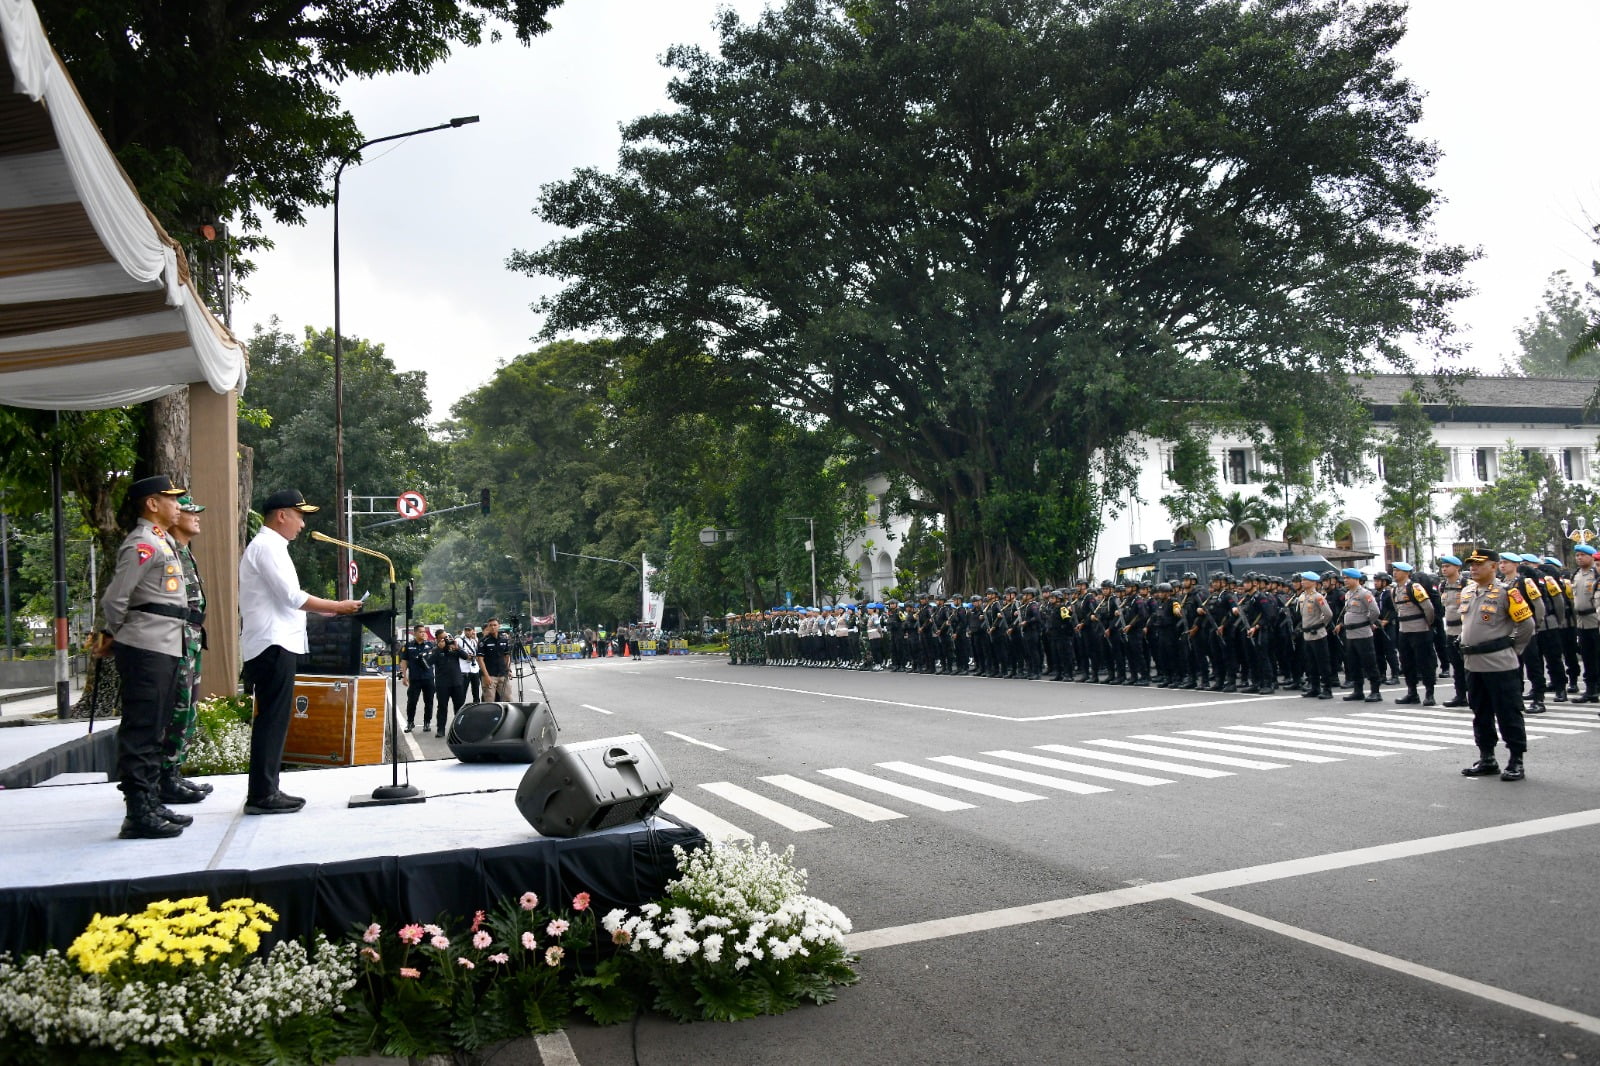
338, 720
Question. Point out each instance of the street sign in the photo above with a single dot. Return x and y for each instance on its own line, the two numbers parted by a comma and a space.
411, 505
355, 573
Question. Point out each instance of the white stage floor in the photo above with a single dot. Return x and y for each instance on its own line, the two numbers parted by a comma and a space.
67, 834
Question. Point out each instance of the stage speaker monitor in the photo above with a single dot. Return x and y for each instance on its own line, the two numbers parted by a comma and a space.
501, 732
573, 789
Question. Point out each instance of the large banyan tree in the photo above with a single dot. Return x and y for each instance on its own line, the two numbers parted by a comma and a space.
997, 239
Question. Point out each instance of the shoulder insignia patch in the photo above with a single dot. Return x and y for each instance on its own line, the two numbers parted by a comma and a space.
1531, 589
146, 552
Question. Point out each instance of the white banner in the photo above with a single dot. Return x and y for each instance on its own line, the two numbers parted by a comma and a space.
653, 605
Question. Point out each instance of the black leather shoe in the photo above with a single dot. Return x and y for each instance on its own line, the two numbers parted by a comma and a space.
1230, 688
1324, 695
1354, 697
1481, 768
274, 804
1374, 698
1587, 697
1429, 701
147, 825
1534, 708
198, 786
173, 790
1455, 701
1561, 695
1513, 771
1309, 694
1409, 698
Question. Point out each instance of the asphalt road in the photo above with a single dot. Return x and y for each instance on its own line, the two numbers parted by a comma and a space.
1338, 894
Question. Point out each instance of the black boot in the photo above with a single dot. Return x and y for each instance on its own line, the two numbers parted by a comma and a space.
175, 789
142, 821
1513, 770
1409, 697
1428, 700
1483, 767
1458, 700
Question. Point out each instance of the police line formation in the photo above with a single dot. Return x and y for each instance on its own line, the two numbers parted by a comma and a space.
1252, 634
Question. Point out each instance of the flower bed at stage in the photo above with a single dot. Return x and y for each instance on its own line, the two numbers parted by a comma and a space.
183, 983
221, 737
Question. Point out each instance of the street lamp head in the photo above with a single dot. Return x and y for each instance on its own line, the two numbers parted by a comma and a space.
464, 120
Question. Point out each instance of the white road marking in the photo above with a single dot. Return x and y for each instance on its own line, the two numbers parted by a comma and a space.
555, 1049
828, 797
592, 707
1219, 760
966, 784
1232, 701
1301, 744
1317, 733
1028, 776
1550, 1011
1242, 749
1444, 728
1049, 910
1465, 720
896, 789
773, 811
1130, 760
1360, 728
692, 740
1080, 769
1565, 718
413, 747
713, 827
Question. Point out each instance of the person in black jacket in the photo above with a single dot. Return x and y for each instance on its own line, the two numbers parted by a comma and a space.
449, 682
416, 674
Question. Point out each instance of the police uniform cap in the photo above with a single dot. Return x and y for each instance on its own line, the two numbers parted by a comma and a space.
1351, 571
1407, 567
156, 484
187, 505
1483, 555
1551, 562
1451, 559
285, 498
1308, 575
1584, 549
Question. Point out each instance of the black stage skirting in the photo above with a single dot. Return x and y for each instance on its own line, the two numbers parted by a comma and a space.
622, 867
89, 752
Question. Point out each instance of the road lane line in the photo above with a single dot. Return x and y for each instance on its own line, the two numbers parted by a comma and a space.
713, 827
773, 811
1080, 769
1131, 760
1550, 1011
1360, 728
1049, 910
1232, 702
1318, 733
1028, 776
1300, 744
1428, 717
692, 740
1242, 749
592, 707
1445, 728
1219, 760
899, 791
828, 797
966, 784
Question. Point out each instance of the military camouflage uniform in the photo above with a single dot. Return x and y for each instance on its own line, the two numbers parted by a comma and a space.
180, 733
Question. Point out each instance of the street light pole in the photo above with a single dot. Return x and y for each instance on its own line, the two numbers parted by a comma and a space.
339, 517
811, 547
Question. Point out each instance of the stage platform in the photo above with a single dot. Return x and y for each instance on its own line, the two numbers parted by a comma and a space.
35, 752
328, 866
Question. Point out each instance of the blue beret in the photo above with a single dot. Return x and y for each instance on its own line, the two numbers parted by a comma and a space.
1584, 548
1551, 562
1407, 567
1351, 571
1451, 559
1309, 575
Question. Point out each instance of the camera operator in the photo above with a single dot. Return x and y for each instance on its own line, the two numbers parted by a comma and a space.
469, 663
449, 682
494, 663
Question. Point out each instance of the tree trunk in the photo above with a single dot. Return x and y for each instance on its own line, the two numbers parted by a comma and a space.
247, 485
164, 444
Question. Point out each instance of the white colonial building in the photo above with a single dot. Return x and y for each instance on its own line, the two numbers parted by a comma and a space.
1494, 413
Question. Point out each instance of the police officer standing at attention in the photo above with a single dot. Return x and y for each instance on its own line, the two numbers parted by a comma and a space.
494, 663
1450, 587
1315, 618
175, 788
145, 607
1413, 609
1356, 625
1496, 625
1584, 601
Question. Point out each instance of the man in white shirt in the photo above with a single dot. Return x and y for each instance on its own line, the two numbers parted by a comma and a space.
272, 606
469, 662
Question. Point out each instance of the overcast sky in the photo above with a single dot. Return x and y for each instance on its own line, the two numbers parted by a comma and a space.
426, 225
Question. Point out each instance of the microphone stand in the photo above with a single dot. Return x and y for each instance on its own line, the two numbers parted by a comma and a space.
394, 792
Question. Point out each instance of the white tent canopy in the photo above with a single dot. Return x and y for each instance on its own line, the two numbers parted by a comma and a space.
96, 307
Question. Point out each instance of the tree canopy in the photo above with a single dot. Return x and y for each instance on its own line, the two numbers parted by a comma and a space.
1546, 339
1412, 466
993, 239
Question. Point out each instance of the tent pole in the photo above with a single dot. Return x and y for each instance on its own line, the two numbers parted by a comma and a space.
59, 543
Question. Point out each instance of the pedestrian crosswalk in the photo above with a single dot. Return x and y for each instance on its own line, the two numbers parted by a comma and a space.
950, 783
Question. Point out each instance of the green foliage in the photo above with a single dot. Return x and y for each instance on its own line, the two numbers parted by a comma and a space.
973, 236
387, 445
1546, 339
1525, 506
1412, 467
264, 77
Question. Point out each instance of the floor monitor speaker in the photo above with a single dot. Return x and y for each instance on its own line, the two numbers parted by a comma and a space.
573, 789
501, 732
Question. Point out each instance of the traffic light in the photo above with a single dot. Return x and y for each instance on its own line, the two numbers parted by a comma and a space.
483, 500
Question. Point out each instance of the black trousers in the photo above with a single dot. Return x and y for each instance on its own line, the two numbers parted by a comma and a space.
472, 687
1319, 666
1496, 700
149, 689
1589, 655
1452, 655
270, 678
449, 692
419, 686
1416, 660
1361, 661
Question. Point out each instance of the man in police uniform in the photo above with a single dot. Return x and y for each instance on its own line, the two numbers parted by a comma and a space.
175, 788
1413, 613
1450, 587
1584, 601
1356, 625
1496, 625
145, 607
